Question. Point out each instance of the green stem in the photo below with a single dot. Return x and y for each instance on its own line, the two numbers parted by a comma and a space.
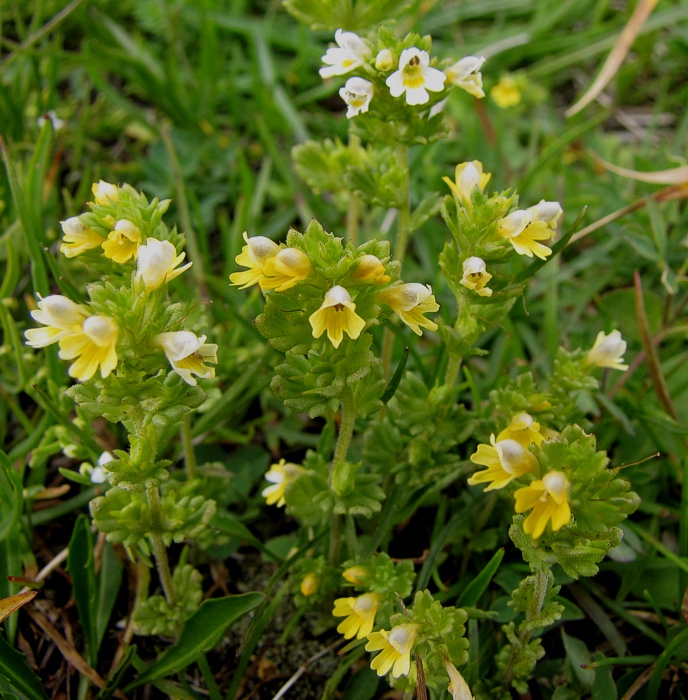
159, 549
404, 223
540, 587
354, 211
346, 433
453, 367
403, 233
189, 454
346, 427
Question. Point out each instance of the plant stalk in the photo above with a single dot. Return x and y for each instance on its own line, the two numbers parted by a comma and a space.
159, 549
189, 454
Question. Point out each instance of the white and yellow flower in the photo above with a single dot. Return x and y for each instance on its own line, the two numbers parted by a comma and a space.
351, 52
357, 93
384, 60
257, 251
356, 575
60, 316
505, 460
548, 499
187, 354
415, 77
410, 301
359, 613
476, 276
78, 238
525, 228
285, 270
395, 647
123, 242
337, 315
309, 585
105, 192
370, 269
467, 177
93, 346
158, 263
608, 351
466, 75
524, 430
280, 475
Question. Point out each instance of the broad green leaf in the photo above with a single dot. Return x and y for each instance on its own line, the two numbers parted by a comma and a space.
201, 633
471, 594
81, 569
14, 670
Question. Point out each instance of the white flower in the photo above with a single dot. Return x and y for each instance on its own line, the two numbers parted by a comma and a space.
608, 351
415, 77
352, 53
51, 117
357, 94
157, 263
466, 75
188, 354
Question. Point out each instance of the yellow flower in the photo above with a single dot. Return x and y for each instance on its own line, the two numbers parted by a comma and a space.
395, 646
524, 228
608, 351
370, 269
415, 77
476, 276
337, 316
467, 177
285, 270
78, 238
523, 429
359, 613
280, 476
466, 75
188, 354
548, 498
257, 251
505, 460
105, 192
158, 263
351, 53
410, 301
506, 93
356, 575
309, 585
94, 346
61, 316
122, 243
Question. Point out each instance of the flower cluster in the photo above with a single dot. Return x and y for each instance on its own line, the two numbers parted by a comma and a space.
507, 458
360, 275
414, 78
96, 335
